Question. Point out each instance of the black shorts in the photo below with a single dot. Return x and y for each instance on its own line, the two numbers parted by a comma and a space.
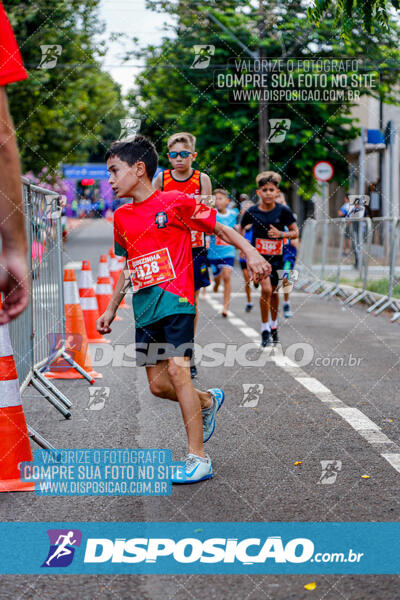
277, 265
274, 277
171, 336
200, 270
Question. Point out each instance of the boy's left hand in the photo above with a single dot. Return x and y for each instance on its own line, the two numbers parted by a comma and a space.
257, 266
274, 232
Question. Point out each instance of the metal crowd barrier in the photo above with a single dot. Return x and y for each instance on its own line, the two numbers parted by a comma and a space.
364, 246
38, 334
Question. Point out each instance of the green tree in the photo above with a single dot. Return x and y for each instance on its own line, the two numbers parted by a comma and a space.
348, 12
172, 96
71, 112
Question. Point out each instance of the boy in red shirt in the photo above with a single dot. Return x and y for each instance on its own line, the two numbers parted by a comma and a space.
182, 177
153, 234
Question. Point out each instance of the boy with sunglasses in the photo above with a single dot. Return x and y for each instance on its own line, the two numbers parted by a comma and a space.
182, 177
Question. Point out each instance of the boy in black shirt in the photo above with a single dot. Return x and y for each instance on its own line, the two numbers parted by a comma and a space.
268, 220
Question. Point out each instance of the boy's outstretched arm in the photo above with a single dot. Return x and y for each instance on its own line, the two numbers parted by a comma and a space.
258, 267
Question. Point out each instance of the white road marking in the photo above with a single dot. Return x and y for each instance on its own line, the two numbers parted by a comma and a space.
248, 331
366, 428
356, 418
393, 459
312, 385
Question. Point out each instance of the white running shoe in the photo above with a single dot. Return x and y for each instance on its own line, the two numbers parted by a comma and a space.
196, 469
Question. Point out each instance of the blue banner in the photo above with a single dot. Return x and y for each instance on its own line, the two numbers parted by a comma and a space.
86, 171
200, 548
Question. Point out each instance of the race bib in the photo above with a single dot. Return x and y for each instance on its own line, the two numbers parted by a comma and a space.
269, 247
197, 239
151, 269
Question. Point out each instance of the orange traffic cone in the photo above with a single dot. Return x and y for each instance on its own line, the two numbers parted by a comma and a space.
115, 271
89, 305
14, 440
77, 341
104, 270
103, 294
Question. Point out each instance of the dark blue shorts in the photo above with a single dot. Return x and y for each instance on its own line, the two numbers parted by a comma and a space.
200, 270
169, 337
217, 264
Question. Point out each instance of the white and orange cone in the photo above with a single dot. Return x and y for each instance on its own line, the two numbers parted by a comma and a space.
103, 294
115, 271
89, 305
14, 439
104, 270
77, 341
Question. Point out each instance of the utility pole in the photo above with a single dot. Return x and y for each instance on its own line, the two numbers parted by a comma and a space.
263, 144
262, 105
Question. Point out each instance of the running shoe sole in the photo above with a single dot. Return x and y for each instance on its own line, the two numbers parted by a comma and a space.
188, 482
219, 404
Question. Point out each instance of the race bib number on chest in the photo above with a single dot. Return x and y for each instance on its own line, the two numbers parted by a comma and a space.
151, 269
197, 239
269, 247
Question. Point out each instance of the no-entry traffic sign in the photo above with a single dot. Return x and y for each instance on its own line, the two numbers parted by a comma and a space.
323, 171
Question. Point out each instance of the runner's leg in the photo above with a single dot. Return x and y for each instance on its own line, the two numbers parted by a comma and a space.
274, 306
162, 386
227, 279
247, 285
179, 374
265, 303
196, 303
265, 299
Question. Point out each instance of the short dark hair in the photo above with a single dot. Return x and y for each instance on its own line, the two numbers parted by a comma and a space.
268, 177
132, 151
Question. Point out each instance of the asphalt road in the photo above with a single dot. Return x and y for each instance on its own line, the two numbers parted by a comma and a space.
299, 415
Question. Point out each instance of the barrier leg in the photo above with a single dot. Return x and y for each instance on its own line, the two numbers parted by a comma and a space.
303, 282
55, 391
395, 317
40, 440
377, 303
352, 296
326, 291
313, 287
383, 307
49, 396
358, 297
78, 368
333, 292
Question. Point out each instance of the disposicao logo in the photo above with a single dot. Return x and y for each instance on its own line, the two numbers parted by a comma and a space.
63, 543
190, 550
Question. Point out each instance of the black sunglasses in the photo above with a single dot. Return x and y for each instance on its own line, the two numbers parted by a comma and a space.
183, 154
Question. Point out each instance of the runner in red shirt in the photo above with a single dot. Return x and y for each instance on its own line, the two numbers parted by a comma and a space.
181, 154
153, 233
14, 275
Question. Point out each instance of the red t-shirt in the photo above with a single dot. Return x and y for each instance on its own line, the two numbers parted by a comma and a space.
163, 221
11, 65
